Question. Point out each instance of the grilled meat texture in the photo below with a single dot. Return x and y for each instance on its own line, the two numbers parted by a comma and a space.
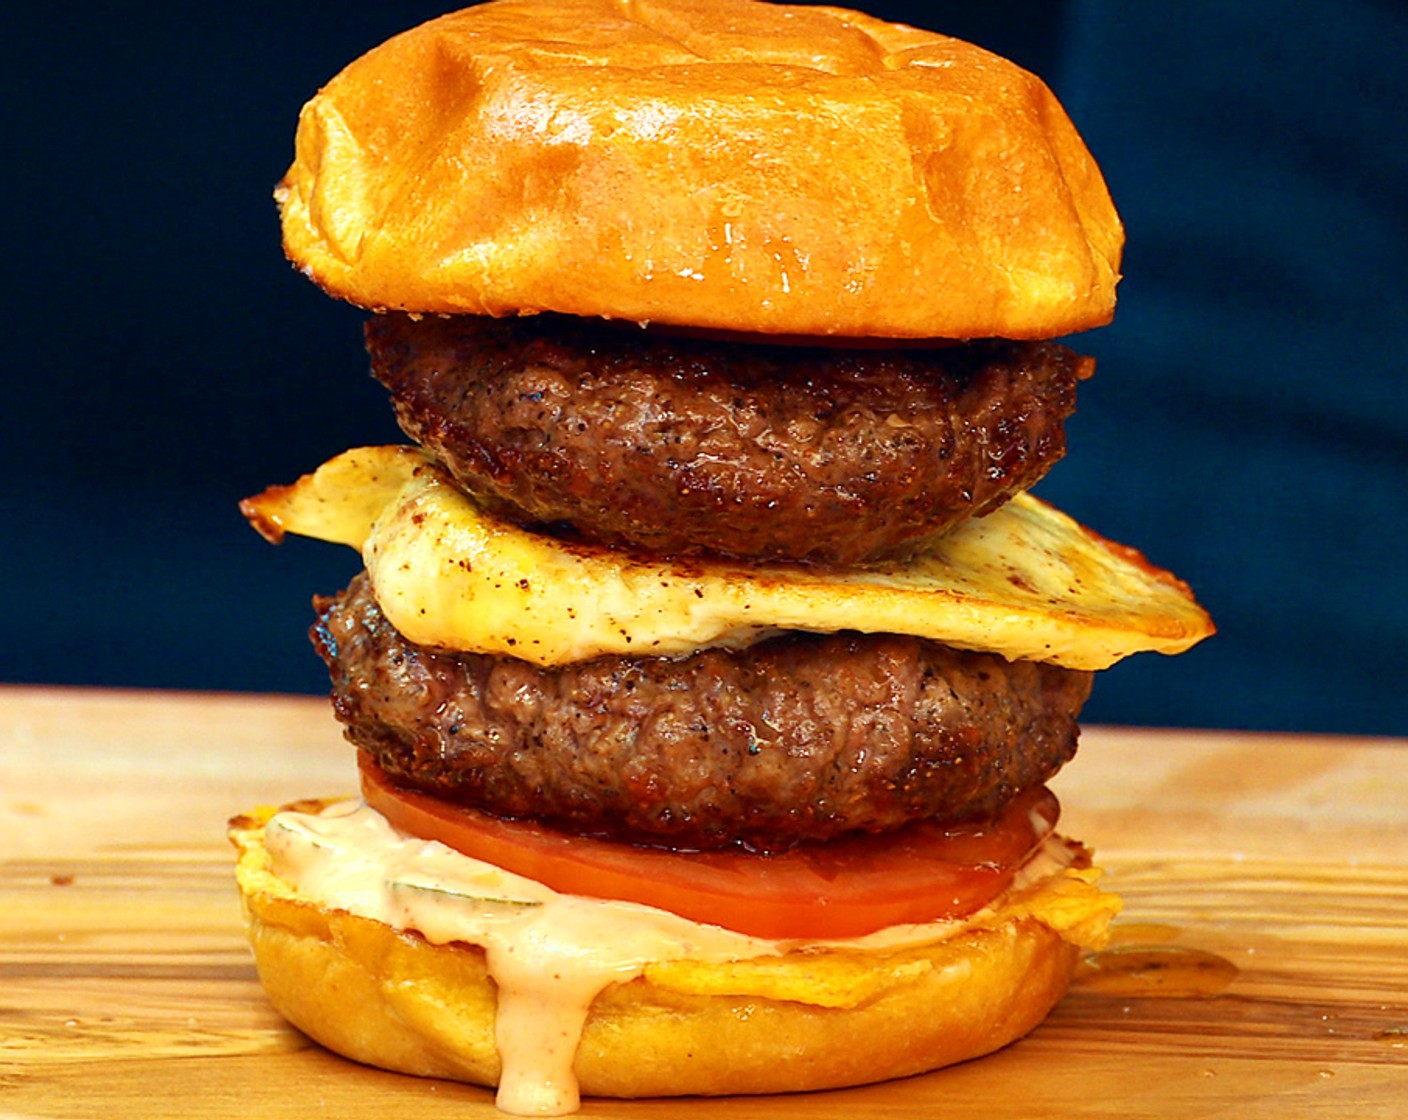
683, 446
798, 737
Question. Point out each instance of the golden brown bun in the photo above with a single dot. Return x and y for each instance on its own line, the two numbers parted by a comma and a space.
711, 163
798, 1022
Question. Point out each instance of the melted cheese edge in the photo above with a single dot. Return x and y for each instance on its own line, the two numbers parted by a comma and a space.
1026, 581
551, 954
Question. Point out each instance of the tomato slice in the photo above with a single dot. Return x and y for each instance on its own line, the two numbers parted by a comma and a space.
834, 889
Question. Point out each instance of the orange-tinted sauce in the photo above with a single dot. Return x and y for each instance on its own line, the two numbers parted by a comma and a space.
1162, 972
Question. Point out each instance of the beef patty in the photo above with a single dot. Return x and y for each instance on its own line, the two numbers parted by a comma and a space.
798, 737
684, 446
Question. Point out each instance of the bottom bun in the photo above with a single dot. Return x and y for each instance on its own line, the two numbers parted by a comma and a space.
817, 1018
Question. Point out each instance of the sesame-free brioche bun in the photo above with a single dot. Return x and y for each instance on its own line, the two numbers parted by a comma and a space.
806, 1020
720, 164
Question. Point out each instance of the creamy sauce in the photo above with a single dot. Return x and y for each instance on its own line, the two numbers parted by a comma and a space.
550, 954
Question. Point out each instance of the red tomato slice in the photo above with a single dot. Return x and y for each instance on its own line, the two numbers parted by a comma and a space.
840, 888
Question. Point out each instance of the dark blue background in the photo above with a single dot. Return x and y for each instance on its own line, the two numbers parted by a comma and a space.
1246, 426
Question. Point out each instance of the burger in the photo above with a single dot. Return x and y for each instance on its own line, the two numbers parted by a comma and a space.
710, 656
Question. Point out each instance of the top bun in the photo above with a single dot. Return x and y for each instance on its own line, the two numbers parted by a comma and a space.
721, 164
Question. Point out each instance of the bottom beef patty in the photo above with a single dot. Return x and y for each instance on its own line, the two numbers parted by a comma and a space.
797, 737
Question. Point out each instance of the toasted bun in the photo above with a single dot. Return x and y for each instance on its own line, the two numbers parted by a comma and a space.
803, 1021
711, 163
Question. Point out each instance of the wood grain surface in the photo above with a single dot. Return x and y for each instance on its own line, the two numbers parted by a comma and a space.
1260, 968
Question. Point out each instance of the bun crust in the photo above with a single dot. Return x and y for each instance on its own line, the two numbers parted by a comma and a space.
721, 164
391, 999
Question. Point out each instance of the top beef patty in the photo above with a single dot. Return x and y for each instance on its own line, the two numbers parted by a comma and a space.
686, 446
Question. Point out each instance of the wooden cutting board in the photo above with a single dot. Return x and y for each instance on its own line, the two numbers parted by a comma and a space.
1260, 968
